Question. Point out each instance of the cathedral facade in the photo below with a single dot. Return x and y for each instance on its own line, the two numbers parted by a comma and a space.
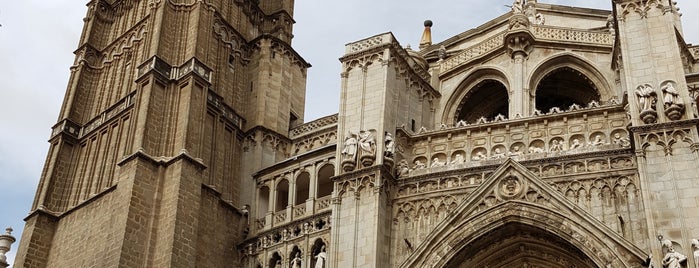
551, 136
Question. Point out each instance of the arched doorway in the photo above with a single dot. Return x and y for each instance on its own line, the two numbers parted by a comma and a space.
520, 245
486, 99
564, 87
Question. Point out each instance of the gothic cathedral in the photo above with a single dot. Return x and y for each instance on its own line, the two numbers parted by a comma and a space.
551, 136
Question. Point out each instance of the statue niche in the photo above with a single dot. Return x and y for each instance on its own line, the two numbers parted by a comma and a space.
647, 98
672, 102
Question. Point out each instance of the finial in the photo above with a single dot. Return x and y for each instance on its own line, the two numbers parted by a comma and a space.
426, 39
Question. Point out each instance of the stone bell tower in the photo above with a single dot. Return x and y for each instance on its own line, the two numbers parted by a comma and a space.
147, 164
664, 129
383, 87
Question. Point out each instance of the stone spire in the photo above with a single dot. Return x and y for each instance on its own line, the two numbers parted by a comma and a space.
426, 39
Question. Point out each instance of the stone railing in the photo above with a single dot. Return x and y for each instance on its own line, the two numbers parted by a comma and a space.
105, 116
540, 32
293, 232
279, 217
368, 43
310, 127
299, 211
323, 203
556, 134
473, 52
572, 35
260, 223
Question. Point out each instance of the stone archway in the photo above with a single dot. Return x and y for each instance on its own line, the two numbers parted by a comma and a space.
513, 209
520, 245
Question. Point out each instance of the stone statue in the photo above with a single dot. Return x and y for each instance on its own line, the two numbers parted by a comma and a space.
646, 97
479, 156
390, 145
497, 154
621, 140
515, 151
320, 258
535, 150
402, 169
419, 164
576, 144
598, 141
517, 7
556, 146
437, 163
673, 259
296, 262
278, 264
442, 52
350, 149
695, 250
671, 95
367, 143
458, 159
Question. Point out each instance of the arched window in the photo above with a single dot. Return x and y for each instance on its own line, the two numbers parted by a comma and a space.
325, 185
282, 195
486, 99
302, 187
263, 202
564, 87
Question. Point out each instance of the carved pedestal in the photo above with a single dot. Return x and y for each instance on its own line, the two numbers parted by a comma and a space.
649, 116
348, 165
674, 111
367, 160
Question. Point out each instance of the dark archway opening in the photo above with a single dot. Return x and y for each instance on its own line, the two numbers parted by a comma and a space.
564, 87
520, 245
487, 99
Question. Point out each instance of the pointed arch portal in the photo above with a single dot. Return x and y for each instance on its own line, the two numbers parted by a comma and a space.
515, 219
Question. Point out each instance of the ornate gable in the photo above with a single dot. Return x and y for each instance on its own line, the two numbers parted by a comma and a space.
514, 195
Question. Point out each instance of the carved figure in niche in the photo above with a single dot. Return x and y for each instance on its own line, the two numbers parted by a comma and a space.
461, 123
621, 140
556, 146
306, 228
646, 97
437, 163
320, 258
350, 149
367, 143
390, 145
402, 169
535, 150
517, 7
497, 154
296, 262
479, 156
515, 151
419, 164
671, 95
597, 141
576, 144
279, 264
673, 259
458, 159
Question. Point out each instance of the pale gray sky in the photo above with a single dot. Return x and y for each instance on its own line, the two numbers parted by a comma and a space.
37, 38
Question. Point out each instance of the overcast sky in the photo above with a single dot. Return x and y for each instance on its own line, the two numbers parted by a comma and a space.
37, 38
